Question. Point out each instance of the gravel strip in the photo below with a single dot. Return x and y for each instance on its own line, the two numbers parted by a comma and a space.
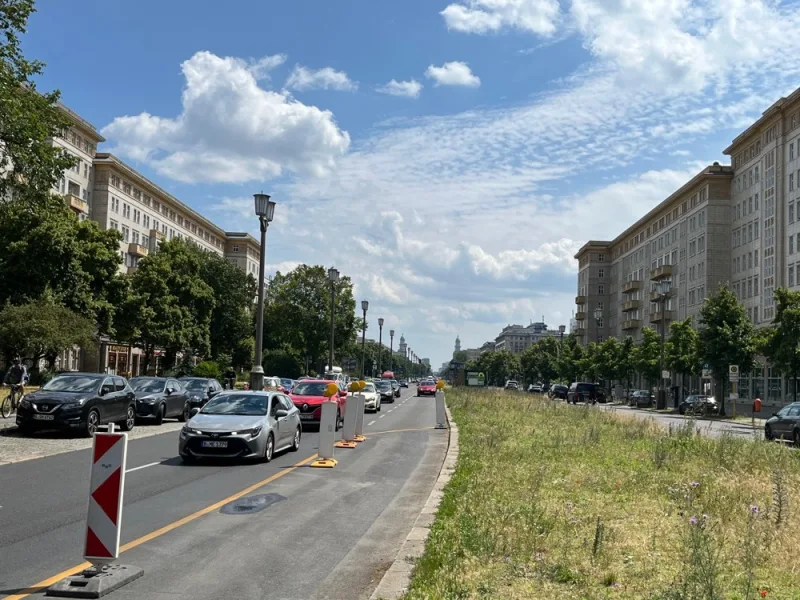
15, 448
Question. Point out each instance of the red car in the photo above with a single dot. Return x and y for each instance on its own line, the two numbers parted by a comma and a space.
426, 388
309, 394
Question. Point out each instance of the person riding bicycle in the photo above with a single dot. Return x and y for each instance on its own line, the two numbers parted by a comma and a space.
17, 376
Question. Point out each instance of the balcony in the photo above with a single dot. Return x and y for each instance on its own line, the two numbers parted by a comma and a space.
137, 250
655, 296
580, 300
663, 272
132, 270
580, 316
631, 305
77, 204
631, 286
631, 324
155, 234
579, 331
657, 317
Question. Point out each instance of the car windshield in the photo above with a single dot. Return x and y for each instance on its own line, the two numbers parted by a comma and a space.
251, 405
72, 383
195, 385
304, 388
287, 381
370, 387
142, 384
383, 385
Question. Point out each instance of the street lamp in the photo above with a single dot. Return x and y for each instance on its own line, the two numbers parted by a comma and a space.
333, 277
364, 307
561, 330
265, 209
380, 343
391, 345
662, 289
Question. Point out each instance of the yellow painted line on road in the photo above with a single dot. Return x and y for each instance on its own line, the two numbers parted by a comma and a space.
46, 583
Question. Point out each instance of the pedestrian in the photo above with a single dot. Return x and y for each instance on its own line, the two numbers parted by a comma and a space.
230, 378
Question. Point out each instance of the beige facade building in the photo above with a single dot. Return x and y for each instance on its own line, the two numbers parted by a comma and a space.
515, 338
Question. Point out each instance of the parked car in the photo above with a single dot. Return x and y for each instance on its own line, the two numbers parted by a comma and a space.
309, 394
385, 390
199, 390
273, 384
511, 385
372, 399
426, 388
158, 398
558, 391
396, 387
403, 383
585, 392
784, 424
535, 388
641, 399
236, 424
287, 384
79, 402
698, 404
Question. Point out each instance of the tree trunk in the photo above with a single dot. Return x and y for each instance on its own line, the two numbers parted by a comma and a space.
722, 399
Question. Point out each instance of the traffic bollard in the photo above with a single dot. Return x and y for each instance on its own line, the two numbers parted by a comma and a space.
349, 428
441, 416
327, 435
359, 437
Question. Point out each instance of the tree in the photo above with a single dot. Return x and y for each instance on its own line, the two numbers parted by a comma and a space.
46, 249
169, 306
572, 356
626, 366
297, 314
682, 350
726, 337
42, 329
30, 163
283, 363
608, 359
500, 366
782, 348
647, 356
460, 356
587, 364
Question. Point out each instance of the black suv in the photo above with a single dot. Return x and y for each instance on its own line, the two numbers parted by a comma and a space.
200, 390
558, 391
585, 392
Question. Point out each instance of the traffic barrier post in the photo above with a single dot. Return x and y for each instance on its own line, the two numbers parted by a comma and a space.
327, 429
103, 523
441, 416
361, 400
349, 428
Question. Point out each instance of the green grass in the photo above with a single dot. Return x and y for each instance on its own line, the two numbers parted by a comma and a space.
554, 501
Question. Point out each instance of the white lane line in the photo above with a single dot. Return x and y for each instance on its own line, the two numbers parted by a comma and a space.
381, 416
142, 467
370, 423
390, 410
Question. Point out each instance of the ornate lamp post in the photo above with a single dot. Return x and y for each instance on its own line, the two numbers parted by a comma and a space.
380, 343
333, 277
364, 307
265, 209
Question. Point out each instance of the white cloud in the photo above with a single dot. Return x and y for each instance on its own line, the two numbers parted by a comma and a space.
261, 68
407, 89
484, 16
453, 73
327, 78
230, 129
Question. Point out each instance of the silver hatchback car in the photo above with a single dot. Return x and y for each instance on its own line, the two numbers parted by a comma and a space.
237, 424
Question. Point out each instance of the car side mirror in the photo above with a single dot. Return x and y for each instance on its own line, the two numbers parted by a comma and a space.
193, 412
280, 413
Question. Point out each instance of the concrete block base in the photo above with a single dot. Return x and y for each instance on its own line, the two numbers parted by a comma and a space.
95, 583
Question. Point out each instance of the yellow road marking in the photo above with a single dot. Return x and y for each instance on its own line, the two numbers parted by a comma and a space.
400, 430
46, 583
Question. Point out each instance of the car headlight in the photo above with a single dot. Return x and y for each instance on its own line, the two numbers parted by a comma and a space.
251, 432
25, 404
76, 404
195, 398
189, 430
148, 399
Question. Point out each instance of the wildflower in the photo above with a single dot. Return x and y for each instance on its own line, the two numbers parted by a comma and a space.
763, 593
570, 506
695, 484
705, 517
754, 509
692, 520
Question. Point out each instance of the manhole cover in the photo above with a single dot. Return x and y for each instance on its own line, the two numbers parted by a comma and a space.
251, 504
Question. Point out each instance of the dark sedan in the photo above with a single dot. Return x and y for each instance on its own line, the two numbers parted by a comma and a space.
695, 404
784, 424
642, 399
396, 388
558, 391
199, 390
385, 389
79, 402
159, 397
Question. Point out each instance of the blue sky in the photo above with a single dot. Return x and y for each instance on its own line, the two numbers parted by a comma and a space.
515, 130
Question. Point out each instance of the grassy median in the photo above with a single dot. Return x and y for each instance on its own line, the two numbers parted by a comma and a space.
555, 501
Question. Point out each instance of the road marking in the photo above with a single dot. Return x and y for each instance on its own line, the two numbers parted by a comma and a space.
391, 410
381, 416
142, 467
46, 583
370, 423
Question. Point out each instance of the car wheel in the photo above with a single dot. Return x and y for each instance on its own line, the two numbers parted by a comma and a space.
296, 441
378, 406
768, 432
160, 415
92, 422
184, 416
796, 437
130, 419
269, 449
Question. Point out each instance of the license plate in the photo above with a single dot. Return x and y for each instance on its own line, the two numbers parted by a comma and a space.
306, 417
214, 444
44, 417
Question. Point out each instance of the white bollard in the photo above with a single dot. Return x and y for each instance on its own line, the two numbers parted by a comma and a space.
360, 418
327, 436
349, 428
441, 416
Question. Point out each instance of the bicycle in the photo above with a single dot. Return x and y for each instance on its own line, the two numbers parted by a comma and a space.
11, 401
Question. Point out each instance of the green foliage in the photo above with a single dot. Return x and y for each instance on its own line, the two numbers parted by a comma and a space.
242, 355
31, 164
46, 249
42, 329
682, 349
608, 363
587, 364
572, 359
782, 346
282, 363
207, 368
539, 361
647, 355
626, 361
460, 356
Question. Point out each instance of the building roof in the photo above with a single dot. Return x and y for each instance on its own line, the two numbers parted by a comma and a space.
768, 114
81, 122
240, 235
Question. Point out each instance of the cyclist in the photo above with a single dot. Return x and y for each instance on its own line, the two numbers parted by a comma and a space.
16, 377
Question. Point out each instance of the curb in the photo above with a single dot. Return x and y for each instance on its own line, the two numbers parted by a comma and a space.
395, 581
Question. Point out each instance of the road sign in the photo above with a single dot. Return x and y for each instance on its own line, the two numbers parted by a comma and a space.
733, 396
664, 374
104, 517
706, 373
733, 372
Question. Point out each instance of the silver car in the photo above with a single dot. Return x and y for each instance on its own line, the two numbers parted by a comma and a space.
238, 424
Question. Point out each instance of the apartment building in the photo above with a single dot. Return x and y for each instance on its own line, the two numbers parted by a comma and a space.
515, 338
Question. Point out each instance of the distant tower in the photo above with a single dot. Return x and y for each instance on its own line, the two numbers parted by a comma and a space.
458, 344
403, 347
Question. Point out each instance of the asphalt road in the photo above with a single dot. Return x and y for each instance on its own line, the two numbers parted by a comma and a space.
321, 533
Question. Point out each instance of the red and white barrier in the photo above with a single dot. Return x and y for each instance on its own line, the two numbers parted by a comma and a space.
104, 516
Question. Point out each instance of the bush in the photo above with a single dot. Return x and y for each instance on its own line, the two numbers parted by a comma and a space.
208, 369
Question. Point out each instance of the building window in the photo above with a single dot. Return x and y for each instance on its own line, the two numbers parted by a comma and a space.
791, 151
791, 275
135, 236
114, 225
126, 233
145, 241
236, 249
126, 210
755, 258
601, 273
791, 212
601, 258
601, 290
791, 244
